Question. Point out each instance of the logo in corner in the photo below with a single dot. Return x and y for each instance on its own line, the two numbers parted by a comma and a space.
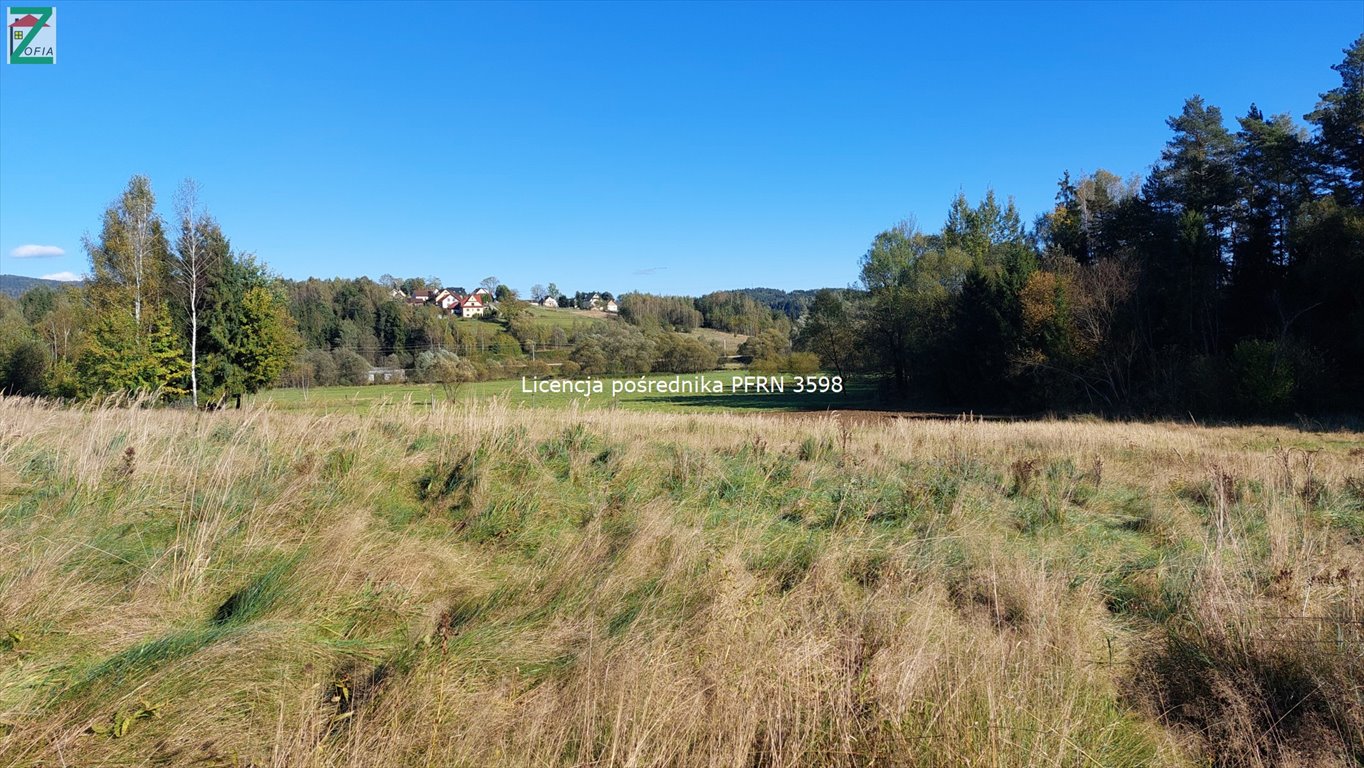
32, 34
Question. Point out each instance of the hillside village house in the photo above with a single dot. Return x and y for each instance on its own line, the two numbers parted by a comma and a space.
608, 305
469, 306
447, 300
476, 304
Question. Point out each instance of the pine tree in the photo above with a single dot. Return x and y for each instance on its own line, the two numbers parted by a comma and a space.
1339, 118
1193, 189
1271, 167
249, 337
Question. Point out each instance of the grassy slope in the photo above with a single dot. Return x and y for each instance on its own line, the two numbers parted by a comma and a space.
495, 586
573, 320
568, 319
729, 342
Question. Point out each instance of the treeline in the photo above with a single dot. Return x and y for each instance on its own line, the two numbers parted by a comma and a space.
348, 326
170, 309
792, 304
730, 311
676, 313
1231, 280
738, 312
363, 317
618, 348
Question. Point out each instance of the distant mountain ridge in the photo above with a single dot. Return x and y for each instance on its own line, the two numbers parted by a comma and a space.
15, 286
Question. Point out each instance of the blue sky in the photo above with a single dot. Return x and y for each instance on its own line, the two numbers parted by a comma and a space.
672, 148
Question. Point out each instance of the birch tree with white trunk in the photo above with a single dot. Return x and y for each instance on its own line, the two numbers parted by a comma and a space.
129, 259
192, 266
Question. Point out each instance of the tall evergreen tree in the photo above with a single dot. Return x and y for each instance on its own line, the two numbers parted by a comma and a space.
1270, 164
1339, 118
1193, 189
250, 337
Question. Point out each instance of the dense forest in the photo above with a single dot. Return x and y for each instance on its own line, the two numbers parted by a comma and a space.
1230, 280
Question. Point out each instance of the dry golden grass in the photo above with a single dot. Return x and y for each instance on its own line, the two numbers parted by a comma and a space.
478, 586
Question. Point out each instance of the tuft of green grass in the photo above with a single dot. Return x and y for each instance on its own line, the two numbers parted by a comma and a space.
260, 594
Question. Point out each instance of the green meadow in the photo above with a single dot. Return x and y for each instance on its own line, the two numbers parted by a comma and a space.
495, 585
857, 395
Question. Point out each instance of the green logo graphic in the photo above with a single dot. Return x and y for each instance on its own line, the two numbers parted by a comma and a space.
32, 34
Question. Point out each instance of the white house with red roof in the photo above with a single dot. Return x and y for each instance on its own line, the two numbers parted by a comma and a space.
446, 299
470, 306
475, 304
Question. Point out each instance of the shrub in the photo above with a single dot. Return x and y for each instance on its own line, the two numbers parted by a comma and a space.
441, 366
351, 368
614, 348
25, 369
769, 365
320, 367
1261, 377
589, 356
802, 362
679, 353
769, 343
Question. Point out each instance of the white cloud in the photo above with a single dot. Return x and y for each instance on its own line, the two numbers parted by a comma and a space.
63, 276
37, 252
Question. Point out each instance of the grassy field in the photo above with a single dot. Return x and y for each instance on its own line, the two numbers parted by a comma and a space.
729, 342
568, 319
491, 585
857, 395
